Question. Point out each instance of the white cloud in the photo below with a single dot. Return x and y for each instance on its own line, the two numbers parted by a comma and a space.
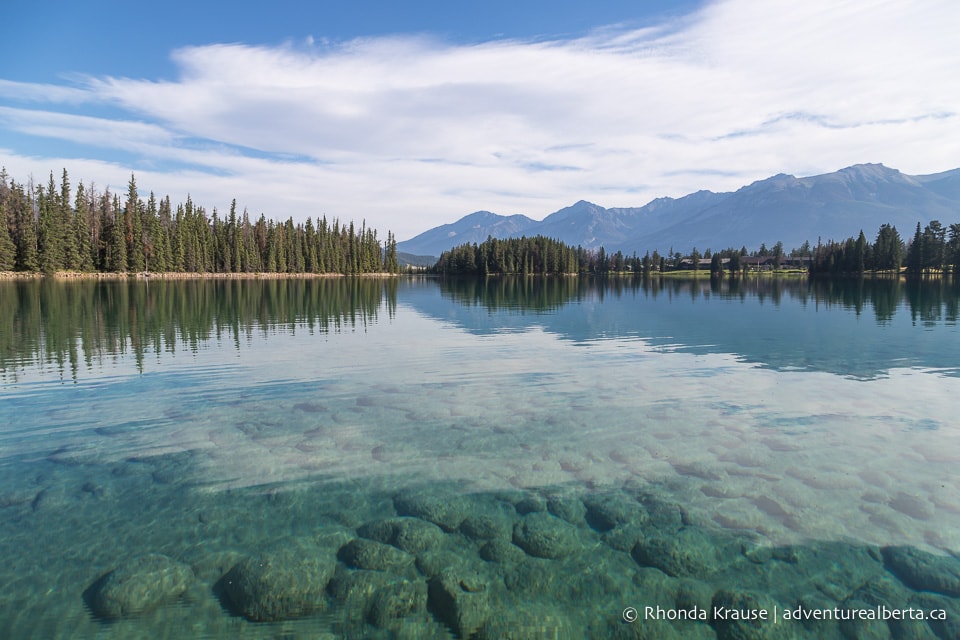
41, 92
410, 132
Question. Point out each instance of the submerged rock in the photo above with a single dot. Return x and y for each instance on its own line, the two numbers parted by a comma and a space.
461, 600
688, 553
545, 536
606, 511
433, 563
486, 526
287, 581
924, 571
139, 586
369, 554
623, 538
444, 510
530, 503
502, 551
568, 507
662, 514
412, 535
380, 530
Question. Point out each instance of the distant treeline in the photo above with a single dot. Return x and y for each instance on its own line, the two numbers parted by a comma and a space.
933, 249
49, 229
537, 255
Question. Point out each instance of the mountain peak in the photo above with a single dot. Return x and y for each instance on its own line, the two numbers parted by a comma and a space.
472, 228
779, 208
869, 170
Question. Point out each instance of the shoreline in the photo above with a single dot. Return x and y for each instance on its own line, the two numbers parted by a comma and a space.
179, 275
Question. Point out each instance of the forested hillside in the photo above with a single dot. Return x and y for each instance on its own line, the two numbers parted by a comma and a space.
935, 249
51, 228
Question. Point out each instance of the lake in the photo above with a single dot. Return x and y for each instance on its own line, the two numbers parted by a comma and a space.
500, 458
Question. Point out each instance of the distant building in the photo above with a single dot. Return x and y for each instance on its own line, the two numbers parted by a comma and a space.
702, 263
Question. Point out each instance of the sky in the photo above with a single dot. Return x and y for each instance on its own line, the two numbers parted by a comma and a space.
411, 115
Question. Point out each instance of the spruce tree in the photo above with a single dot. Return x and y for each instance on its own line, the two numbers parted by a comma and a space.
237, 251
915, 253
164, 237
8, 250
178, 250
50, 236
118, 242
81, 231
391, 264
68, 233
104, 236
133, 227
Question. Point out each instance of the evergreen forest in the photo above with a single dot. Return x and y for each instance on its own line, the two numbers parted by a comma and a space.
933, 249
52, 228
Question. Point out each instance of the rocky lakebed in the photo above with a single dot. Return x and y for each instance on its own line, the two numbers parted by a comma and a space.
354, 560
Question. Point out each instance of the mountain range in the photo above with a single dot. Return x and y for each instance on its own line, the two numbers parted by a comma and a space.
832, 206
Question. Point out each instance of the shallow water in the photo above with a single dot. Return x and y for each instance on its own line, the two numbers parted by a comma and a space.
786, 433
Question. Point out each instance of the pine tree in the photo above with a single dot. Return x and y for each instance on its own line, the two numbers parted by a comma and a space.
118, 242
888, 249
164, 245
934, 240
8, 250
204, 240
261, 238
81, 232
391, 263
237, 251
915, 253
310, 250
178, 251
293, 248
221, 254
252, 261
104, 236
860, 254
50, 236
133, 227
154, 257
68, 232
276, 261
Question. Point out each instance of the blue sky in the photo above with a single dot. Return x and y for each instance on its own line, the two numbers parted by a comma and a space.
129, 39
411, 115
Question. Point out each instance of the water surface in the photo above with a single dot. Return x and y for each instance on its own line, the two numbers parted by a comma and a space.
209, 420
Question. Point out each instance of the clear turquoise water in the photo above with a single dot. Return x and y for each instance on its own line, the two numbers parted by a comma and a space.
209, 420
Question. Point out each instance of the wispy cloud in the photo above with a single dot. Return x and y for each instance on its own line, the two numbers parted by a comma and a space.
413, 132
